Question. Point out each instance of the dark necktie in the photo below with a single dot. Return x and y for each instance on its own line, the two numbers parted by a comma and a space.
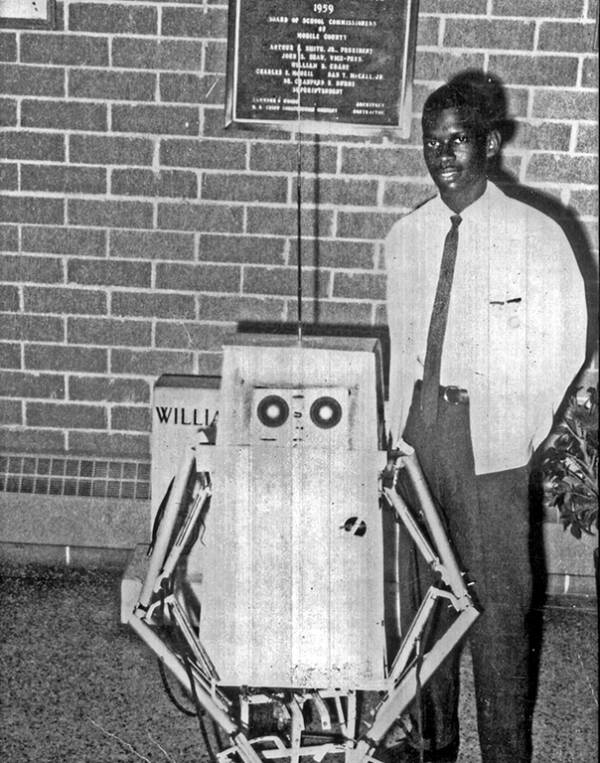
437, 326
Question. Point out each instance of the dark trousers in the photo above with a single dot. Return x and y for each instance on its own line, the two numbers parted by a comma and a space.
487, 518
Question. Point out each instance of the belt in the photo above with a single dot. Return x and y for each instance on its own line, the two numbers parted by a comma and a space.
454, 395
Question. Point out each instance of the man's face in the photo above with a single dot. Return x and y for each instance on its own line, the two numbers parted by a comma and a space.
456, 156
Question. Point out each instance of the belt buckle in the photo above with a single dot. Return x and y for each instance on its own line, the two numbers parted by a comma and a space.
455, 395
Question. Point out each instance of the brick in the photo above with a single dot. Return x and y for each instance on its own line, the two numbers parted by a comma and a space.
32, 80
517, 101
131, 182
176, 55
109, 389
67, 300
9, 238
207, 154
64, 49
10, 355
22, 327
537, 8
111, 85
62, 179
570, 38
342, 313
359, 285
192, 88
210, 363
269, 157
563, 169
547, 135
32, 440
403, 162
9, 298
589, 74
224, 187
283, 221
153, 305
449, 6
560, 104
8, 112
92, 272
242, 249
428, 31
200, 217
52, 357
365, 225
109, 332
131, 419
585, 203
97, 149
80, 241
31, 209
356, 193
193, 336
11, 412
224, 308
32, 146
194, 22
283, 281
535, 70
587, 139
8, 46
63, 115
406, 194
215, 57
111, 214
327, 253
489, 33
157, 120
113, 18
198, 277
22, 268
151, 363
109, 445
65, 416
9, 177
430, 65
152, 245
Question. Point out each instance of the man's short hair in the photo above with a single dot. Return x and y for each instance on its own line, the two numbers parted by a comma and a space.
465, 98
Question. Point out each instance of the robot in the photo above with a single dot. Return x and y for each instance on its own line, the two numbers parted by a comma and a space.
271, 594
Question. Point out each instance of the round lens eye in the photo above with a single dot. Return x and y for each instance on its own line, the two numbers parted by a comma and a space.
273, 411
325, 412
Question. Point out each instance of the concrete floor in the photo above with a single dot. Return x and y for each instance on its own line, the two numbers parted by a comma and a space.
77, 687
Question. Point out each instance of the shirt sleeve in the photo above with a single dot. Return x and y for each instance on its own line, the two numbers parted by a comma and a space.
558, 320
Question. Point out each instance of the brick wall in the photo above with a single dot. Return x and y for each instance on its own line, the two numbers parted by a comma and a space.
135, 231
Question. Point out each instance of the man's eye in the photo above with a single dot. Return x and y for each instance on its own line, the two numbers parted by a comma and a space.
432, 143
461, 139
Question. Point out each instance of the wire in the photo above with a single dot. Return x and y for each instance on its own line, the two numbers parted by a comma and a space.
170, 694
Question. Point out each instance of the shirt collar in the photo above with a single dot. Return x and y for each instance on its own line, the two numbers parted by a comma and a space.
476, 207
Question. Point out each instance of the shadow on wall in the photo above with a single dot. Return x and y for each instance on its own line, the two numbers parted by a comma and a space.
492, 90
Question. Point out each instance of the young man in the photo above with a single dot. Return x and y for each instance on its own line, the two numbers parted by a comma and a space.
487, 321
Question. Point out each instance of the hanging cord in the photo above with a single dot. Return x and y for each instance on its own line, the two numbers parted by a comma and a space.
299, 198
200, 712
418, 699
169, 691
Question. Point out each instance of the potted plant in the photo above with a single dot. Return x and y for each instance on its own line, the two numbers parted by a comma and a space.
570, 468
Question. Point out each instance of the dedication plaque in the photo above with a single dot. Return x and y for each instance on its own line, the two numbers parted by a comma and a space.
341, 66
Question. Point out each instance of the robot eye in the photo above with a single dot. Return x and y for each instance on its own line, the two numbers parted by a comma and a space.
325, 412
273, 411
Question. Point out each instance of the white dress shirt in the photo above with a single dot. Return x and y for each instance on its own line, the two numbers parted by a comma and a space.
516, 324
